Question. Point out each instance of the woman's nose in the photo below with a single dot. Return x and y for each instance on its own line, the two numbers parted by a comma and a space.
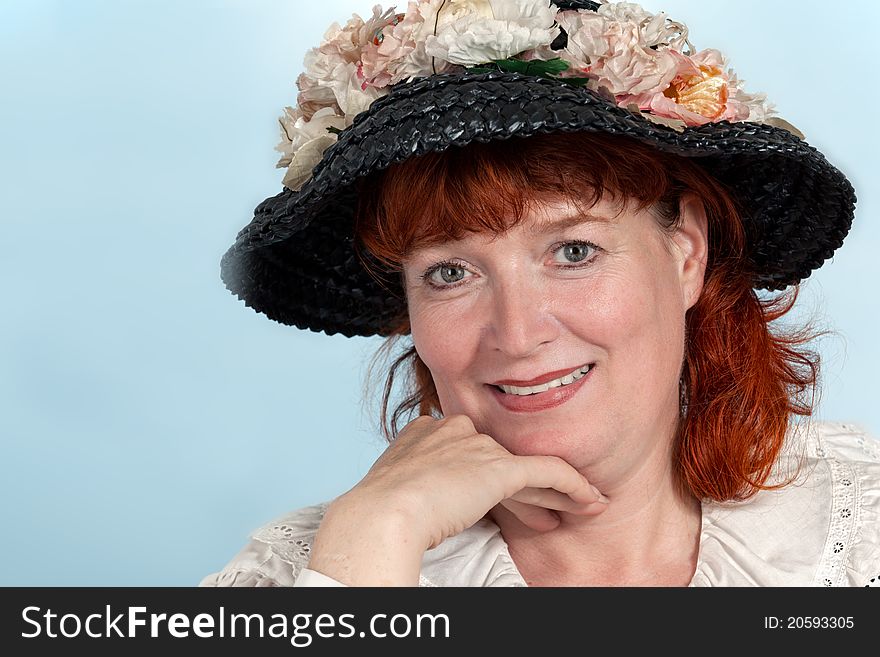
520, 318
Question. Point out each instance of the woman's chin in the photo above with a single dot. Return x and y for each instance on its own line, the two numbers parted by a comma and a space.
575, 448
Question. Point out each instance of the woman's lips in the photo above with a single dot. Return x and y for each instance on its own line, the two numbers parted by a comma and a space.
542, 400
544, 378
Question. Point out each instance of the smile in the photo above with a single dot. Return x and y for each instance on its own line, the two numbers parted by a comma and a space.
568, 379
544, 396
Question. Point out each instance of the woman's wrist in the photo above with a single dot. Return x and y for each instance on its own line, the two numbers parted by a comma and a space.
359, 545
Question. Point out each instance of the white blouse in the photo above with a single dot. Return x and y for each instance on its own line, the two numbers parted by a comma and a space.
821, 530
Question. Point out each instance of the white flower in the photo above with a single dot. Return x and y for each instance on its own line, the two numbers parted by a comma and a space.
485, 30
303, 142
615, 51
586, 35
353, 94
634, 69
317, 81
409, 38
332, 82
592, 35
419, 64
654, 30
313, 96
760, 111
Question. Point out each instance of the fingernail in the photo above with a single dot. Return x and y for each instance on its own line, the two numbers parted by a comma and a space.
602, 498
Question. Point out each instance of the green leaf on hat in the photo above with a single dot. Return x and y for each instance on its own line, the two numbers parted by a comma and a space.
549, 68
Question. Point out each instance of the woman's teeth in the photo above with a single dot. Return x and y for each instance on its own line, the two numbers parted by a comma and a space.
555, 383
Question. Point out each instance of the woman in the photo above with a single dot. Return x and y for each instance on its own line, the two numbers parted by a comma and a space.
567, 210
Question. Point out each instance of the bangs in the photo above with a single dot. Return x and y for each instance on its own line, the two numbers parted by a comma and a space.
490, 187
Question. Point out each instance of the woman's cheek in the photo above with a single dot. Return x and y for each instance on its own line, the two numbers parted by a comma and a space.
442, 339
607, 305
430, 327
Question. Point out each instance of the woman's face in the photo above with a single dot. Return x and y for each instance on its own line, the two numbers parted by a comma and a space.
557, 294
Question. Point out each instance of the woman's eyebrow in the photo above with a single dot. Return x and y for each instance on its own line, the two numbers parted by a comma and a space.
556, 225
564, 223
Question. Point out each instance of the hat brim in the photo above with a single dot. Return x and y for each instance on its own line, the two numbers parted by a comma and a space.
296, 261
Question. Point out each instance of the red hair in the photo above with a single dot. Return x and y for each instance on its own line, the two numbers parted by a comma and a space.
741, 380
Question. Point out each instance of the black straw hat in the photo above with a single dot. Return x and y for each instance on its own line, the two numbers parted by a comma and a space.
296, 261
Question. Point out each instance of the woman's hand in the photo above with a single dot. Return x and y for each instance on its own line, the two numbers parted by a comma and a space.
435, 480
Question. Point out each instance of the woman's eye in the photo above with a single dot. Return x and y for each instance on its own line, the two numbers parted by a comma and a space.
575, 252
446, 274
451, 274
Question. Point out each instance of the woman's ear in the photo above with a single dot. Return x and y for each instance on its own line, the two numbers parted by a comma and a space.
692, 239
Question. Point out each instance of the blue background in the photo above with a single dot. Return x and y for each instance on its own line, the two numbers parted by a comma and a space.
149, 420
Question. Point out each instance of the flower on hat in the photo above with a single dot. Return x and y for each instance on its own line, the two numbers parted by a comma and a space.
699, 93
623, 48
401, 46
643, 61
488, 30
303, 142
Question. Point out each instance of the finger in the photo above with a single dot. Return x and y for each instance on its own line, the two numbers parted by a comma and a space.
533, 517
553, 499
554, 472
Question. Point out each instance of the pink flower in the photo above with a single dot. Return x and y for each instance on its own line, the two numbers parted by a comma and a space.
334, 73
390, 47
634, 69
404, 43
587, 37
616, 53
698, 94
390, 44
349, 41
